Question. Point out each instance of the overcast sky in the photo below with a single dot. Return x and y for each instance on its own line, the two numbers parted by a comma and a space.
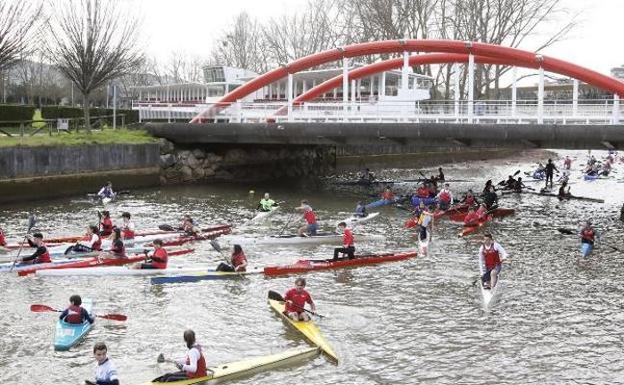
192, 25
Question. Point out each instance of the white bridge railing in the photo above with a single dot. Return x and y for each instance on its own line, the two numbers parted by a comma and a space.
487, 111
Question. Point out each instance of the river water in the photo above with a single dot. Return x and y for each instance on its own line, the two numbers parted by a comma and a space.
557, 320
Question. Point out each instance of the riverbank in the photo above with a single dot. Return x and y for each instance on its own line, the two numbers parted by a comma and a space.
81, 138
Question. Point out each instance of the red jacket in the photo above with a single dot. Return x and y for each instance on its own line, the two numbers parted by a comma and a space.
299, 299
347, 238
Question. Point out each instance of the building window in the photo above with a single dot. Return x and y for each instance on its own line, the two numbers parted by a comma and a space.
214, 74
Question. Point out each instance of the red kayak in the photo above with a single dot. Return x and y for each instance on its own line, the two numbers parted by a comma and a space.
412, 222
496, 213
306, 265
94, 262
197, 237
469, 229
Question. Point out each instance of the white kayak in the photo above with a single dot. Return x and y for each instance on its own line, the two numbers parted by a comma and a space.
58, 253
487, 295
122, 271
293, 239
353, 220
261, 216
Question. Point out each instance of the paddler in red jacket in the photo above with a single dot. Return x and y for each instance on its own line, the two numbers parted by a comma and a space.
159, 257
106, 224
387, 195
192, 366
3, 241
238, 261
75, 314
491, 256
310, 217
41, 255
296, 298
469, 199
471, 218
127, 228
423, 191
348, 242
445, 197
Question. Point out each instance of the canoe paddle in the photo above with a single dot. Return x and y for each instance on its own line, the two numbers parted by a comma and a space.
31, 223
278, 297
37, 308
287, 223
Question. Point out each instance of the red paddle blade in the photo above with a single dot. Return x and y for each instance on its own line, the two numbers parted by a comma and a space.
115, 317
41, 308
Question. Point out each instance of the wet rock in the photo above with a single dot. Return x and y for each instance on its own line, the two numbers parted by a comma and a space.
199, 154
167, 160
166, 147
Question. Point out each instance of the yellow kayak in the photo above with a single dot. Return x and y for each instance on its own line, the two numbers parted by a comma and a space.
248, 367
308, 329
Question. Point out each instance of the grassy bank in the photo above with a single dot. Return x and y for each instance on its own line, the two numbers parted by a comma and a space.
108, 136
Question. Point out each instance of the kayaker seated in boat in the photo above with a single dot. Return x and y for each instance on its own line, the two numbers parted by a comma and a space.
490, 198
296, 298
106, 224
75, 314
491, 255
469, 198
266, 203
510, 182
310, 217
127, 228
440, 176
192, 366
41, 255
90, 242
105, 371
348, 242
482, 212
188, 225
445, 197
564, 191
107, 191
387, 194
488, 184
606, 168
518, 186
3, 241
238, 261
118, 250
471, 218
425, 222
360, 210
422, 192
159, 257
366, 176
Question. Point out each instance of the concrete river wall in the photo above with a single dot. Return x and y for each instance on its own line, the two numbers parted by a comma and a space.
28, 173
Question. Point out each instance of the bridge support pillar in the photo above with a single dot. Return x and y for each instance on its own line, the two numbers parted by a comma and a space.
470, 87
345, 86
290, 97
540, 97
616, 109
456, 68
514, 91
404, 84
575, 85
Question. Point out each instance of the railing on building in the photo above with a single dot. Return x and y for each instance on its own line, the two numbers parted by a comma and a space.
606, 111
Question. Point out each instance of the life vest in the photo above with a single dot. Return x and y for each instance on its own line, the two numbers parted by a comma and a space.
491, 257
107, 226
2, 239
160, 258
310, 217
238, 260
347, 238
470, 218
445, 196
387, 195
127, 232
45, 257
201, 365
588, 235
74, 315
422, 192
470, 200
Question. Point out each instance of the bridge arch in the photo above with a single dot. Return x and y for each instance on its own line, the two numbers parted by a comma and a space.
515, 56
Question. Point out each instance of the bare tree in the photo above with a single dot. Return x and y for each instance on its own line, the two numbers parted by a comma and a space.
92, 44
19, 28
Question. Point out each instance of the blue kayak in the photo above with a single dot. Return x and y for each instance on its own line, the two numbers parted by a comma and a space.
381, 202
591, 177
68, 335
586, 249
427, 201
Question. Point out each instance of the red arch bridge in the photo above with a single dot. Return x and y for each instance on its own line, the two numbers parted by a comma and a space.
300, 119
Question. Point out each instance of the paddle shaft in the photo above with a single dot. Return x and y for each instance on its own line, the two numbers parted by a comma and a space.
286, 225
278, 297
31, 224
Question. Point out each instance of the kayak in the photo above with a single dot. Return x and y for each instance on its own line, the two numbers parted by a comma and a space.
496, 213
263, 215
427, 201
192, 238
308, 329
118, 271
381, 202
95, 262
250, 366
549, 194
306, 265
472, 228
57, 254
537, 175
294, 239
204, 275
6, 267
586, 249
459, 208
487, 295
353, 220
68, 335
76, 238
